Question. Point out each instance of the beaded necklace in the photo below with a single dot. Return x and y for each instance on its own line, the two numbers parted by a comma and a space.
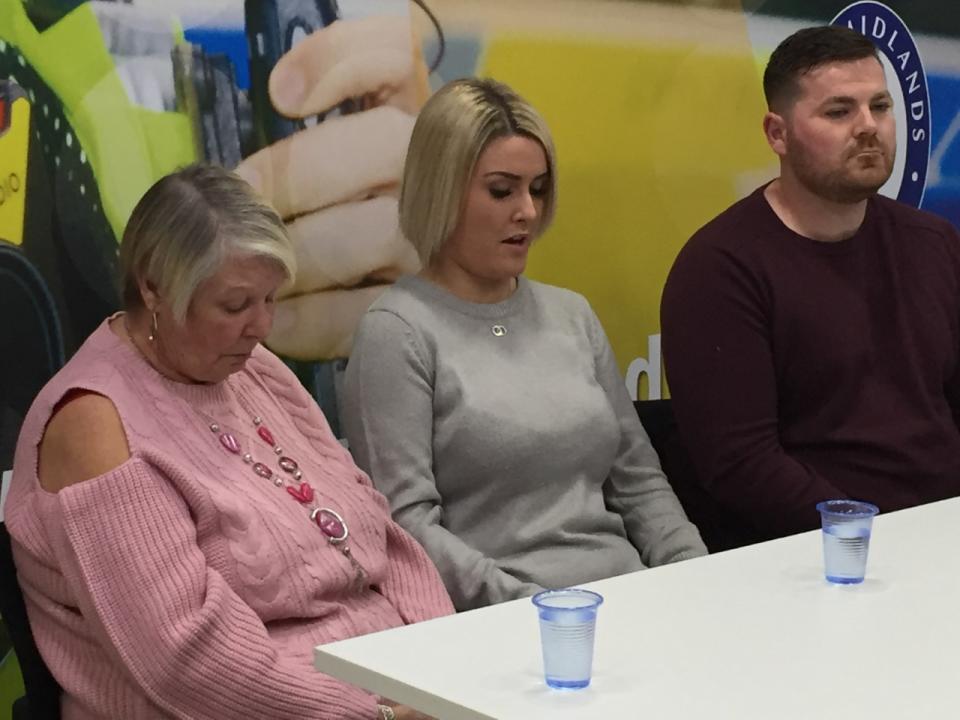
329, 521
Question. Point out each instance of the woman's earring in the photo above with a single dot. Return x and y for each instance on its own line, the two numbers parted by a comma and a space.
153, 329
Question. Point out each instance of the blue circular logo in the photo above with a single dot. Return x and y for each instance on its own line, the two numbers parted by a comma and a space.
893, 39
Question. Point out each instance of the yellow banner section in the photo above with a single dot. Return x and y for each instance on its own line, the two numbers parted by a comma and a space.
656, 133
14, 146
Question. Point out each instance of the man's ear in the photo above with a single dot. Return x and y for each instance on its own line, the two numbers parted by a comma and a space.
775, 130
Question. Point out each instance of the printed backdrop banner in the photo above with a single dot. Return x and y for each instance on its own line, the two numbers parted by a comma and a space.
656, 109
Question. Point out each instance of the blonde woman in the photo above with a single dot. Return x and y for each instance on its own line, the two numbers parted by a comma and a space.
486, 406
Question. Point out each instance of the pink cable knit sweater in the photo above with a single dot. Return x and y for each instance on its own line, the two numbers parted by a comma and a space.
183, 585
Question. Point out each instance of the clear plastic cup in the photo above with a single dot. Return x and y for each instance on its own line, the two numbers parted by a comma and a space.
847, 525
567, 621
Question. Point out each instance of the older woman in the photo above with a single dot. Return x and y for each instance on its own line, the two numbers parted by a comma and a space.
489, 407
185, 526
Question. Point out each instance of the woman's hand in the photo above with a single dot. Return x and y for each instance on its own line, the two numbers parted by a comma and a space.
402, 712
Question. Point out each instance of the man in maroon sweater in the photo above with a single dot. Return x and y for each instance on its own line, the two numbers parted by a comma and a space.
811, 332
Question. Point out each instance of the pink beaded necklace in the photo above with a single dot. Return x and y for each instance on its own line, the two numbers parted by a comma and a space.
330, 522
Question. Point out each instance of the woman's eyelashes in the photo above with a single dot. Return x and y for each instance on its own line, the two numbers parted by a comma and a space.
237, 307
537, 190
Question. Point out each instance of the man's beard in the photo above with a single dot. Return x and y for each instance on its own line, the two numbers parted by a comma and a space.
840, 184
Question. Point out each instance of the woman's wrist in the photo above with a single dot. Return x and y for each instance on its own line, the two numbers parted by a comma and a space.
386, 713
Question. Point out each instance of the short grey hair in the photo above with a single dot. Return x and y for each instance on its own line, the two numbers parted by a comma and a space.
452, 130
186, 226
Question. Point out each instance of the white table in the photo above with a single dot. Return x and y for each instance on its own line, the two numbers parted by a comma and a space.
750, 633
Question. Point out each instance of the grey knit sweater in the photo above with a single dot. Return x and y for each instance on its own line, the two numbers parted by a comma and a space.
506, 442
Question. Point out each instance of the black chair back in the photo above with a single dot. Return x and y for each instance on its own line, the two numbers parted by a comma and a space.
719, 528
42, 701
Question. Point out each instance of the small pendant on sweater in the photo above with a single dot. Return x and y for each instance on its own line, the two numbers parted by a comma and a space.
360, 575
498, 330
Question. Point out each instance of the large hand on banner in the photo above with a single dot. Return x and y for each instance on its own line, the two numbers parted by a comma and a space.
336, 183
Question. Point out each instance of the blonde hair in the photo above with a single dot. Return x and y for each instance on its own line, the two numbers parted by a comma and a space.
452, 130
186, 226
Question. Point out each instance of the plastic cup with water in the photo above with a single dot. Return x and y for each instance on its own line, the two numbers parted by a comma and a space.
567, 622
847, 525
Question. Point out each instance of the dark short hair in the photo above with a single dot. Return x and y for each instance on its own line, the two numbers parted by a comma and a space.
806, 50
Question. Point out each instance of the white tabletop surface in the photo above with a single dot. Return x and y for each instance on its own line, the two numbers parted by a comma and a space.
750, 633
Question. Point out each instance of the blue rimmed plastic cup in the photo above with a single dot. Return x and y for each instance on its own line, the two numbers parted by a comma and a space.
847, 525
567, 621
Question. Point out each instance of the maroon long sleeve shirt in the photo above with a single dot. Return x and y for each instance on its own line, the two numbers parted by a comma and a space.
804, 370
